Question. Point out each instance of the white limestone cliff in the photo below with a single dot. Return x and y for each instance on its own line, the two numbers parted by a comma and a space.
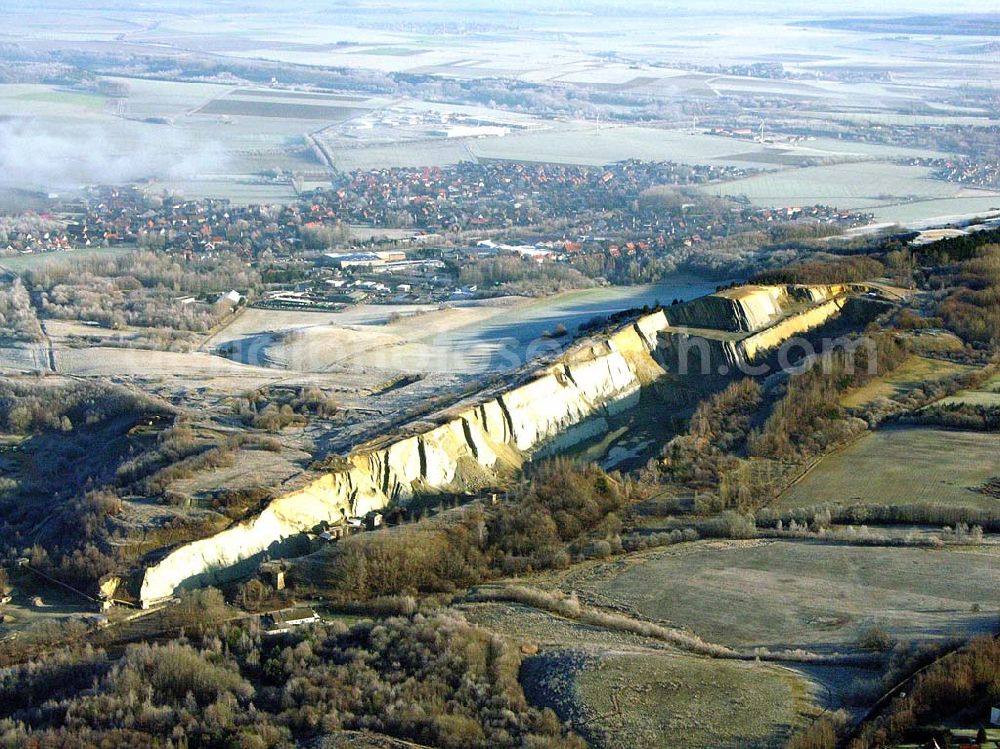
564, 404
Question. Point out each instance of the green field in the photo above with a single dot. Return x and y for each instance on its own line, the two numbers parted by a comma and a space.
278, 108
987, 394
790, 594
904, 466
934, 341
914, 372
74, 98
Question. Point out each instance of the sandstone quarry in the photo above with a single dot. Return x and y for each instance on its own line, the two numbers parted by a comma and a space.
563, 404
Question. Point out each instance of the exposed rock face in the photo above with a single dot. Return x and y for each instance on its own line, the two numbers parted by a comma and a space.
751, 347
235, 550
566, 403
688, 352
475, 444
748, 309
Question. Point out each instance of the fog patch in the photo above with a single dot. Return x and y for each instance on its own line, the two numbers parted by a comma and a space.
46, 155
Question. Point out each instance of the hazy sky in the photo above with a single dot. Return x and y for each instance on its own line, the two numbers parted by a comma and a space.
462, 7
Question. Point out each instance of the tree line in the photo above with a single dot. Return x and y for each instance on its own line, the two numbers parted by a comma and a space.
432, 679
140, 288
741, 447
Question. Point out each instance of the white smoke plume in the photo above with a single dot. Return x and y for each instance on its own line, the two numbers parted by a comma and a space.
46, 155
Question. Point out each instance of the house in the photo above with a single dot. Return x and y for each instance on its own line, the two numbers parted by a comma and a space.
284, 620
230, 299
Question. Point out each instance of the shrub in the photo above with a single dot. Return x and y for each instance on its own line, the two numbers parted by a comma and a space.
559, 511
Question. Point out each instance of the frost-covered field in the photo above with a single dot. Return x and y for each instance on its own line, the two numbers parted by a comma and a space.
891, 191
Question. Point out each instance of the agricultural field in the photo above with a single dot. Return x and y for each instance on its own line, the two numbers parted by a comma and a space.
125, 362
642, 689
197, 139
589, 144
892, 192
526, 625
800, 594
168, 99
987, 394
965, 205
216, 138
41, 101
67, 98
237, 191
250, 468
977, 118
934, 342
641, 700
904, 466
915, 371
31, 261
570, 50
24, 357
439, 152
277, 108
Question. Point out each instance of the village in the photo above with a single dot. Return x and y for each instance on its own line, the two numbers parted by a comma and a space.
613, 223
